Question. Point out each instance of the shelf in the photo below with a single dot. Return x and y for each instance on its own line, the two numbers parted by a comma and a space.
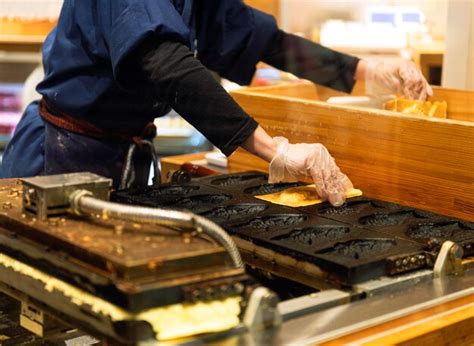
21, 43
22, 39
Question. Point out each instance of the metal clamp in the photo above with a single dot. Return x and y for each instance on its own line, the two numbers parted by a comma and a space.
262, 311
449, 260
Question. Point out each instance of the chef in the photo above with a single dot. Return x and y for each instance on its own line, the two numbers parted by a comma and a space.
112, 66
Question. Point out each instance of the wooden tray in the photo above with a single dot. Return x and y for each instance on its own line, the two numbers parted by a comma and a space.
417, 161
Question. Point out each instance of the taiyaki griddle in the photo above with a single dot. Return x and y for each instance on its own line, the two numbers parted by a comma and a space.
132, 266
361, 240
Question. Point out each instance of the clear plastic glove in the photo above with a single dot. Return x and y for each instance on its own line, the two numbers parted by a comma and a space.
295, 161
403, 78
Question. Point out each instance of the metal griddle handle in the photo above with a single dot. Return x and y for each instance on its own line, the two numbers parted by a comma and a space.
82, 202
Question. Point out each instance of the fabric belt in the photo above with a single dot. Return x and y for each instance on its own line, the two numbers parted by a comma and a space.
80, 126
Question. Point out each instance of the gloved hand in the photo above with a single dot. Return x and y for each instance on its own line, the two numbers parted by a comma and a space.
295, 161
396, 78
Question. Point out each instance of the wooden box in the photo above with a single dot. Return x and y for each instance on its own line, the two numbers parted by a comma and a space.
417, 161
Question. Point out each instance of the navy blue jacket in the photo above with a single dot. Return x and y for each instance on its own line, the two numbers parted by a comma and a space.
86, 70
85, 57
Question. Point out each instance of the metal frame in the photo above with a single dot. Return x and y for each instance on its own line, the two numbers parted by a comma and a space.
325, 315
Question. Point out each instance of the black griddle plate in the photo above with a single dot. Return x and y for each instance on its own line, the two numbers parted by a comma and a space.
362, 240
134, 266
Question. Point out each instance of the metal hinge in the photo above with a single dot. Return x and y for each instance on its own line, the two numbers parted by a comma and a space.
449, 260
262, 311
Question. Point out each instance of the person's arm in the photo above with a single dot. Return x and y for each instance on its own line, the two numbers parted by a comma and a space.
311, 61
361, 70
190, 89
402, 77
261, 144
340, 71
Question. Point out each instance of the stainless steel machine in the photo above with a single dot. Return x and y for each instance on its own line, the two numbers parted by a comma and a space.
153, 271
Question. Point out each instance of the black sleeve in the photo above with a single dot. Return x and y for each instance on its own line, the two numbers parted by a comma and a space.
190, 89
312, 61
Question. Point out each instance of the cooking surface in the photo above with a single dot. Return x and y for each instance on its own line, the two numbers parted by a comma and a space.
123, 244
361, 240
131, 265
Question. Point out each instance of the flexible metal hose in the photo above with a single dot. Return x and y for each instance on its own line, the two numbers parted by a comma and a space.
82, 202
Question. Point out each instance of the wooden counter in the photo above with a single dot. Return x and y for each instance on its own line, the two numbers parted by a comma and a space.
417, 161
450, 323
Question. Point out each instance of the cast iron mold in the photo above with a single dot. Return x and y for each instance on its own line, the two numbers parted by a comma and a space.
267, 222
237, 179
265, 189
348, 208
199, 200
455, 230
360, 248
311, 235
390, 219
237, 210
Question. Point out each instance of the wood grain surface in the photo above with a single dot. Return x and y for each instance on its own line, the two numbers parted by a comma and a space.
411, 160
450, 323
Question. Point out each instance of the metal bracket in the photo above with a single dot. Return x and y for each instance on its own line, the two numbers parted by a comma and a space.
262, 310
32, 318
449, 260
47, 196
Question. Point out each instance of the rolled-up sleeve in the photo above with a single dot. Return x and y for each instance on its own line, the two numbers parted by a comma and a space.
127, 23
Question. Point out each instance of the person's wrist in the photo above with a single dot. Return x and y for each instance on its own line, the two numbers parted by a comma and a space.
271, 150
277, 163
361, 70
261, 144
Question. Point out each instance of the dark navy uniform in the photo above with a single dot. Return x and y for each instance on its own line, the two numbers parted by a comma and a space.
105, 67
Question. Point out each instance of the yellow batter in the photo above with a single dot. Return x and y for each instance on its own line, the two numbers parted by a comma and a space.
436, 109
301, 196
168, 322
